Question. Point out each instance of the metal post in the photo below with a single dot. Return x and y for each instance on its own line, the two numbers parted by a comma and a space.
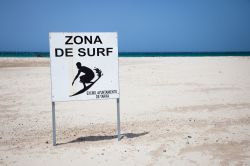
54, 123
118, 120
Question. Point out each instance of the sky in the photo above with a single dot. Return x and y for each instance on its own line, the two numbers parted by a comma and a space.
142, 26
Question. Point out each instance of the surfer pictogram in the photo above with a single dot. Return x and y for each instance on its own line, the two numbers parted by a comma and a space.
87, 78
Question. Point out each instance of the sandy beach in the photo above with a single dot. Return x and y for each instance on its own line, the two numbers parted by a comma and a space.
174, 111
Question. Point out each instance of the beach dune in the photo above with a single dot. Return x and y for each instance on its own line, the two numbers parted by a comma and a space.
174, 111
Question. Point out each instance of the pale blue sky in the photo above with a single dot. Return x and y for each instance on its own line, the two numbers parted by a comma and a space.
163, 25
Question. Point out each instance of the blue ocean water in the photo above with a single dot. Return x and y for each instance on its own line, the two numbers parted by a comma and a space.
136, 54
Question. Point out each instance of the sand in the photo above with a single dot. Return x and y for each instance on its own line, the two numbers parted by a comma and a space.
174, 111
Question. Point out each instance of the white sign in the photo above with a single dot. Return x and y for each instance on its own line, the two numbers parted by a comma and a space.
84, 66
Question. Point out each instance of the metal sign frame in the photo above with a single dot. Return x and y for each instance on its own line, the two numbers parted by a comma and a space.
118, 126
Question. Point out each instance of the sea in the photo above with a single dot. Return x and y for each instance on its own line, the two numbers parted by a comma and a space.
135, 54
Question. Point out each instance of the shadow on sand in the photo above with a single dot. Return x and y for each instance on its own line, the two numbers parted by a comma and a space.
104, 137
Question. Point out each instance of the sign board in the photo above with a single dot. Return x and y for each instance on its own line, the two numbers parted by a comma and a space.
84, 66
